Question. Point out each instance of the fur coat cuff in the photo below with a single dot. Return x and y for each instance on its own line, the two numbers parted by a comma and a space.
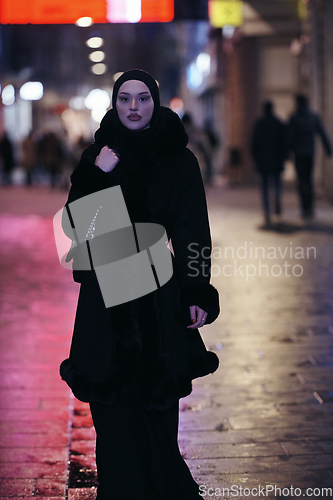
203, 295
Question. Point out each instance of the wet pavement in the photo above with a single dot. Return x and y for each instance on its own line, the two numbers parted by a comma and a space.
261, 427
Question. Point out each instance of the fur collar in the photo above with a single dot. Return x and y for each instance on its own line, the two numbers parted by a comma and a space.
138, 153
166, 138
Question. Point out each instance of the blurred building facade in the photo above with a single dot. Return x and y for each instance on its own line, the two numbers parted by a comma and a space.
221, 74
58, 56
282, 47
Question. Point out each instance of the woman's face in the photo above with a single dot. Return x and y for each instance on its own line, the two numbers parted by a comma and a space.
134, 105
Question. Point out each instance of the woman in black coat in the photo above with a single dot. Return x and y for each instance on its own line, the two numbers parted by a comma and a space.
133, 361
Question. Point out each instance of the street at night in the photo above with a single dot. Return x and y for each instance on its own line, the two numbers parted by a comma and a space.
263, 419
131, 115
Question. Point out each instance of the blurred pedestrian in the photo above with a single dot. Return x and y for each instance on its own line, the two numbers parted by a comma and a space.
133, 361
7, 155
197, 143
304, 125
234, 166
78, 147
212, 143
52, 156
269, 153
29, 157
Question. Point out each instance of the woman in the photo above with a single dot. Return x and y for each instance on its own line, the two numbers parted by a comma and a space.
133, 361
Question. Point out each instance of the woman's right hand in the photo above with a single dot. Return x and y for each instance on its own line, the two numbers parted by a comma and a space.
107, 159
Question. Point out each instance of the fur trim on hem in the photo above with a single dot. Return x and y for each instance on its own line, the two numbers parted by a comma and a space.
203, 295
201, 368
162, 397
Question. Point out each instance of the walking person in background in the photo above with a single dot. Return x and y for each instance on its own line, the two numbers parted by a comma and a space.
269, 153
7, 155
52, 156
212, 143
198, 143
29, 157
304, 125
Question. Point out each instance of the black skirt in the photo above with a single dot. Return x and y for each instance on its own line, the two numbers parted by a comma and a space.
137, 453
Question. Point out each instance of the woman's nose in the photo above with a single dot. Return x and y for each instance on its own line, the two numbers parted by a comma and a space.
134, 104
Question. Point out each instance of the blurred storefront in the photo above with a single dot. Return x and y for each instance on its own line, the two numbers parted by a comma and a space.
277, 49
317, 76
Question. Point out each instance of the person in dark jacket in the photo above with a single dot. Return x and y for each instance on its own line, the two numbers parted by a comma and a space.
51, 154
133, 361
7, 154
269, 153
304, 125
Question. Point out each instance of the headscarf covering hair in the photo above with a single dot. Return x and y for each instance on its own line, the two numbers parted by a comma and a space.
142, 76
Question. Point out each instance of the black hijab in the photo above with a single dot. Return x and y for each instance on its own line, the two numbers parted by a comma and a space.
142, 76
113, 132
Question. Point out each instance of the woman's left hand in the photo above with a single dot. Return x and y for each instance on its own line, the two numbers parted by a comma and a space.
198, 317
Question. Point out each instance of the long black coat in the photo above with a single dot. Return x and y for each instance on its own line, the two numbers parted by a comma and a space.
145, 342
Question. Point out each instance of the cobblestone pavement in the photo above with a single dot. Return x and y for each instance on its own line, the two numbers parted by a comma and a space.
260, 427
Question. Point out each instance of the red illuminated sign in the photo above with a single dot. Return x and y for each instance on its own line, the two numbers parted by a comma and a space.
157, 11
69, 11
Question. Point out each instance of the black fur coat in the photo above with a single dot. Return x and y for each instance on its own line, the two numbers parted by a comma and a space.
145, 342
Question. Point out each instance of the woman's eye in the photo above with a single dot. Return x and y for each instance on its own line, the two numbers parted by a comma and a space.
142, 99
123, 99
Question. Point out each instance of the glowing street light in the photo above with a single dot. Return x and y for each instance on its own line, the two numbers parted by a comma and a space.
99, 68
194, 76
95, 42
97, 56
203, 63
84, 22
97, 101
97, 98
8, 95
31, 91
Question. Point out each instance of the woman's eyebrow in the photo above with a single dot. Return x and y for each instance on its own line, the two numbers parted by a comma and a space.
140, 93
